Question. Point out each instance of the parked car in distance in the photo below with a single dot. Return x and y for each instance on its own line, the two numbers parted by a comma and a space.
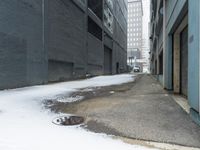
136, 69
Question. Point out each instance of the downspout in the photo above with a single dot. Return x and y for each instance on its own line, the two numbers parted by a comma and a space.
43, 37
199, 56
164, 42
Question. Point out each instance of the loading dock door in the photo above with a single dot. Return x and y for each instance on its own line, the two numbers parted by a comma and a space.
184, 62
107, 60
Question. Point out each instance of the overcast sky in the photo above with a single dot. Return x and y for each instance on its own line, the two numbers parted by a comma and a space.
146, 20
146, 16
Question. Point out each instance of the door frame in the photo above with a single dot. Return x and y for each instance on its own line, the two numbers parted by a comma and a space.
176, 55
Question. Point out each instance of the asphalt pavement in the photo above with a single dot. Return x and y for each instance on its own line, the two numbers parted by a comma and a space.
138, 110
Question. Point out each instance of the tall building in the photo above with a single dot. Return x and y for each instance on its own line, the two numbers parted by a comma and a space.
45, 41
175, 57
135, 13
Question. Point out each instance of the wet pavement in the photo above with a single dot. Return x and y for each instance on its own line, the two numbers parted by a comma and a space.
138, 110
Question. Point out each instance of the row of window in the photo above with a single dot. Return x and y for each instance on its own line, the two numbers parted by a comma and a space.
135, 18
135, 39
134, 29
131, 21
134, 34
134, 10
130, 14
134, 44
132, 5
134, 24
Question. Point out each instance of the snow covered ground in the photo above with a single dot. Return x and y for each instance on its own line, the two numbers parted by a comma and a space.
26, 125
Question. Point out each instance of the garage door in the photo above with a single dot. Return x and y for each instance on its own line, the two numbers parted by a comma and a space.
184, 62
107, 60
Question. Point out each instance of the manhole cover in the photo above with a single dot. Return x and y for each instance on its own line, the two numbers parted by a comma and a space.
68, 120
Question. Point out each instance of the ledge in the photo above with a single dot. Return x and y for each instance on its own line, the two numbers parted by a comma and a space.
195, 116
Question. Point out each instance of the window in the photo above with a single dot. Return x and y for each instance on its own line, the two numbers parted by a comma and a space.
97, 7
94, 29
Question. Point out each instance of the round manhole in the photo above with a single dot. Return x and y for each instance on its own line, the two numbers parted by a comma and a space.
68, 120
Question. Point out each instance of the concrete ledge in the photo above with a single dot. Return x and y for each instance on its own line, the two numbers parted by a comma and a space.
195, 116
182, 101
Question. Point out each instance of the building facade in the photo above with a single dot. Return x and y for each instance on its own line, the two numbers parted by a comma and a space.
175, 57
145, 35
45, 41
135, 13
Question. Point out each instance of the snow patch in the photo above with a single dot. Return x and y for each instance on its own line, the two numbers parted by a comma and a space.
112, 92
26, 125
70, 99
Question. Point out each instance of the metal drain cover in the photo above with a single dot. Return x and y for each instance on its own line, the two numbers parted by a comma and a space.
68, 120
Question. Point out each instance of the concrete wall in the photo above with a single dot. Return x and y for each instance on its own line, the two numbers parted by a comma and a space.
95, 56
156, 29
175, 12
22, 55
193, 59
66, 37
48, 40
180, 15
120, 36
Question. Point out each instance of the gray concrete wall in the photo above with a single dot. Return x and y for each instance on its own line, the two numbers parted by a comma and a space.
67, 40
95, 56
194, 56
175, 12
180, 15
48, 40
120, 36
22, 54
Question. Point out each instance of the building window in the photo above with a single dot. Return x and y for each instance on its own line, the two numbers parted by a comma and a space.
94, 29
97, 7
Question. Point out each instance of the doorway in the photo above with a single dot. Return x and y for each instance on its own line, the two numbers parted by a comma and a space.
107, 60
180, 58
184, 62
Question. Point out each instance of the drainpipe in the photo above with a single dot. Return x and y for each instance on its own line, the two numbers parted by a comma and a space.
44, 40
199, 57
164, 42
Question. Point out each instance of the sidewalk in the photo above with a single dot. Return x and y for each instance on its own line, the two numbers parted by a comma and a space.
140, 110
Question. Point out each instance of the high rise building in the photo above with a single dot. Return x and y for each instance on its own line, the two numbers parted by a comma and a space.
135, 13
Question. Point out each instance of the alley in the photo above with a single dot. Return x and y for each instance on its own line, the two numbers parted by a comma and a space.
100, 74
138, 110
